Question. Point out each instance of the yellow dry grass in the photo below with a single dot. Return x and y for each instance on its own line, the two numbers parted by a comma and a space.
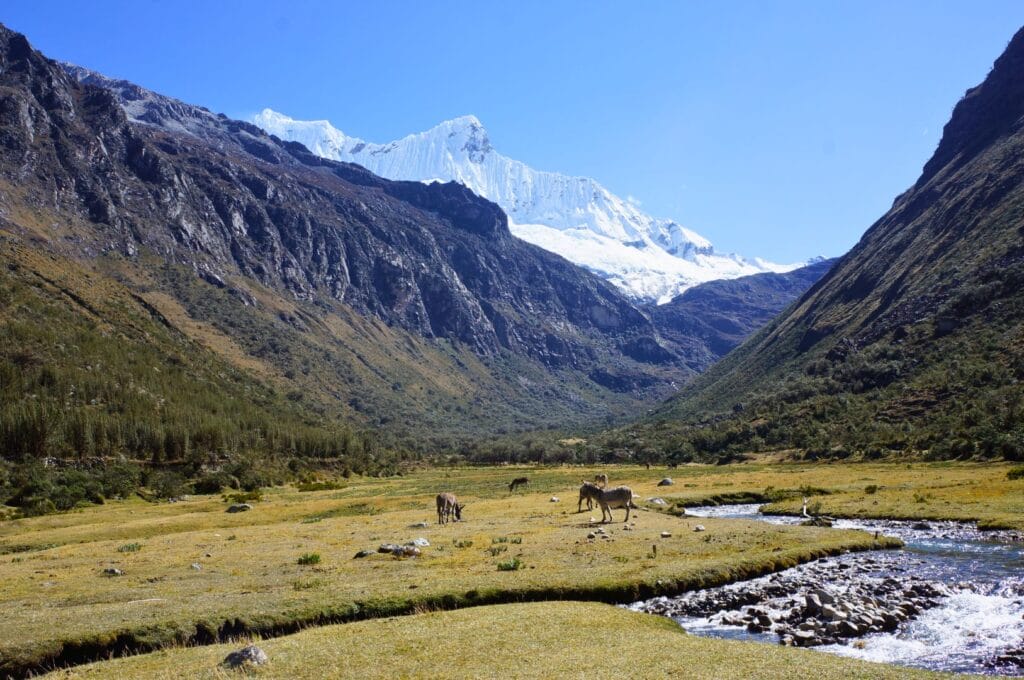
540, 640
248, 576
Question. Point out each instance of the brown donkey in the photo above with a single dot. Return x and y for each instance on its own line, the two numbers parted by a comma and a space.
448, 507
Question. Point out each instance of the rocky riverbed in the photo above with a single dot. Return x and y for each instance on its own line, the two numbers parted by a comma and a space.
953, 599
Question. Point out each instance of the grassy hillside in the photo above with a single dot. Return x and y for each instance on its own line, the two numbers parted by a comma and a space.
90, 371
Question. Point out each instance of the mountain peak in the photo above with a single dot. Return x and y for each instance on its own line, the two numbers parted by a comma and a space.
986, 112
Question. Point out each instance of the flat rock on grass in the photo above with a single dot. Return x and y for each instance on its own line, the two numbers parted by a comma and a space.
239, 507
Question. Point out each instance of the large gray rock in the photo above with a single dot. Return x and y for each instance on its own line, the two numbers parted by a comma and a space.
239, 507
666, 482
247, 656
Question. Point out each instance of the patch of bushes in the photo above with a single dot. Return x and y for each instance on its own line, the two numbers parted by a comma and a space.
871, 489
130, 548
1015, 473
513, 564
309, 559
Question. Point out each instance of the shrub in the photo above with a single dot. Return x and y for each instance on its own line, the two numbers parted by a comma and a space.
1015, 473
871, 489
513, 564
309, 559
214, 482
321, 486
496, 550
166, 484
463, 544
130, 548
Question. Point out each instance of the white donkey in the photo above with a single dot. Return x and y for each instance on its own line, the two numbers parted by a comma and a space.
619, 497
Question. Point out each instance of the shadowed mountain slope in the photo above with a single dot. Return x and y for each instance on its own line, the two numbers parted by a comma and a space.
913, 342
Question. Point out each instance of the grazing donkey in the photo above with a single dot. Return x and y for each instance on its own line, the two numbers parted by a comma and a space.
590, 492
601, 480
619, 497
448, 507
517, 482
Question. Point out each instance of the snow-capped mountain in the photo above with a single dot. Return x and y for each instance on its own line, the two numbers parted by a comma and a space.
575, 217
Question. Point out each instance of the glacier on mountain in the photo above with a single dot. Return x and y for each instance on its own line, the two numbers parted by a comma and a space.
648, 258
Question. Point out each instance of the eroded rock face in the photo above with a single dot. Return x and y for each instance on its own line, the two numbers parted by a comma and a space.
135, 172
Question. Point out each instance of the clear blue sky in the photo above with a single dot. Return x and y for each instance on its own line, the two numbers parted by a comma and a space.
778, 129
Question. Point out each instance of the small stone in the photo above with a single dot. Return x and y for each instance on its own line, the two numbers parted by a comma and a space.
239, 507
247, 655
666, 482
591, 535
112, 571
554, 499
207, 555
197, 566
363, 553
419, 525
419, 542
666, 534
699, 527
657, 501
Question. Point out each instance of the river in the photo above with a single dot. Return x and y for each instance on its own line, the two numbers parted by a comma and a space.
962, 593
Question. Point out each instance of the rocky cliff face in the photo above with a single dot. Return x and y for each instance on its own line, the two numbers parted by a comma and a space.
253, 216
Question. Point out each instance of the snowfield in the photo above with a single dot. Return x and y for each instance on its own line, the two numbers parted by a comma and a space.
650, 259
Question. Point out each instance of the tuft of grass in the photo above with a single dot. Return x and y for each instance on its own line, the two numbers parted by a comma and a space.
514, 564
462, 544
244, 497
1015, 473
871, 489
130, 548
333, 485
309, 559
496, 550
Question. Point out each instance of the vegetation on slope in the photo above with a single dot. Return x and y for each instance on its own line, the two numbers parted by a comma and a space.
913, 344
94, 376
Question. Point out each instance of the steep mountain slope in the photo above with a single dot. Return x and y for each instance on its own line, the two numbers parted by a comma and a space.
650, 259
398, 303
914, 341
711, 319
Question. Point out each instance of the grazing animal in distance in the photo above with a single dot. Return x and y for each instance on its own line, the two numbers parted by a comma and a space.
448, 507
619, 497
589, 492
517, 482
601, 480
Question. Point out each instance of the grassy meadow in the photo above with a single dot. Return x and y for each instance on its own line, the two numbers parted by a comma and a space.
193, 573
503, 641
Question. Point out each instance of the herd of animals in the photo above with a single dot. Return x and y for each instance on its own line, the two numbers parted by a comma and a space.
449, 509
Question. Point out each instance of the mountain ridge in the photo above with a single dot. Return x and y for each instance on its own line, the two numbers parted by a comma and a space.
650, 259
913, 343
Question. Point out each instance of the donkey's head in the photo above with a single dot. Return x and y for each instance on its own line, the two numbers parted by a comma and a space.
458, 511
